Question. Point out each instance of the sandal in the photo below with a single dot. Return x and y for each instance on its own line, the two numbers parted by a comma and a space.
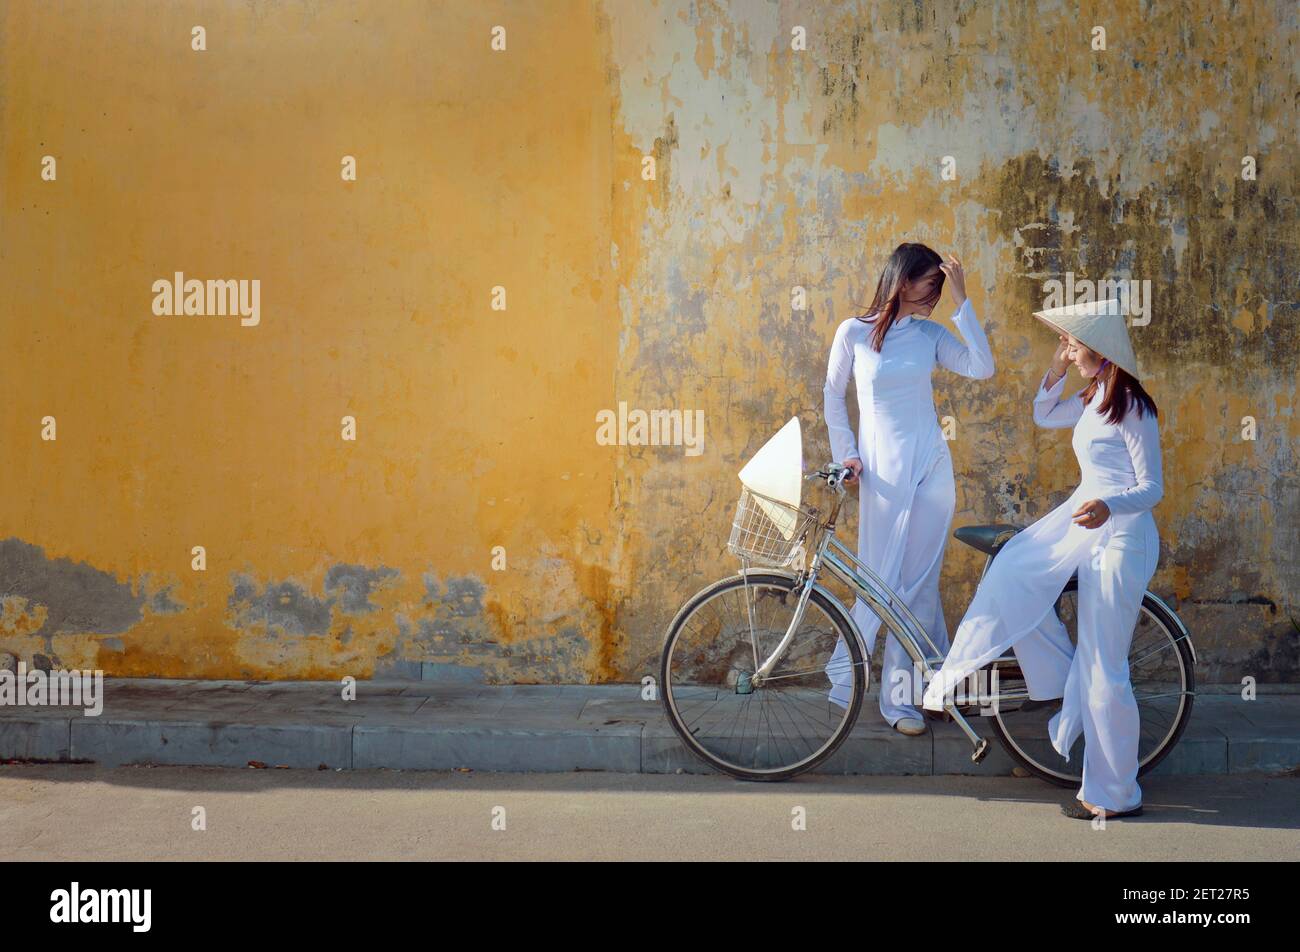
1077, 811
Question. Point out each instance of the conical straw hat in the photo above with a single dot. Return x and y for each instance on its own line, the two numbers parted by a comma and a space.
1099, 326
776, 471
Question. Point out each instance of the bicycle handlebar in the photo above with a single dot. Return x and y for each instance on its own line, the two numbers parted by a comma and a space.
834, 476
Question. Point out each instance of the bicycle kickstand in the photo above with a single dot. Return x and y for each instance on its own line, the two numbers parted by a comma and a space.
980, 744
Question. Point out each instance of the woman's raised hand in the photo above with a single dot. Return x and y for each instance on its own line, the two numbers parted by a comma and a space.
1060, 362
956, 278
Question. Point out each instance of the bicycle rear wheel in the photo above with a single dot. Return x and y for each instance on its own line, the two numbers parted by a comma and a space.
1162, 672
783, 726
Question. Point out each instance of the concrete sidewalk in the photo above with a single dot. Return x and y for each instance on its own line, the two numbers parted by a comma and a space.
422, 725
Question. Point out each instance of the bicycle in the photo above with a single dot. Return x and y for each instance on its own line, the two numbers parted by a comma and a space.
790, 618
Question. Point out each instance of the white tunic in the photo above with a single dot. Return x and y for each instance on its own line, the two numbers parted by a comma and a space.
900, 444
1121, 465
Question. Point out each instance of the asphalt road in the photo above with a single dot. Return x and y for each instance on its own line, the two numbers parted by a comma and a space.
84, 812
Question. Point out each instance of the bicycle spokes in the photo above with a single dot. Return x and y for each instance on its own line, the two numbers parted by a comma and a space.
740, 723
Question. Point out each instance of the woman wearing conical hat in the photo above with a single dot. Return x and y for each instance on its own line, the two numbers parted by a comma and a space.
1105, 532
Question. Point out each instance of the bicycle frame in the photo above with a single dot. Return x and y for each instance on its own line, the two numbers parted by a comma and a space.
841, 563
830, 554
891, 609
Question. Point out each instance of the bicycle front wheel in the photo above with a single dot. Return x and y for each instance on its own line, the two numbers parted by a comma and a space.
783, 726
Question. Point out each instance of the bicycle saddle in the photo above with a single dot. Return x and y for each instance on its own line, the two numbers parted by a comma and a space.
988, 538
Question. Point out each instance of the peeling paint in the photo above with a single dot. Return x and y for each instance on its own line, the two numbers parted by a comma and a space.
463, 596
285, 606
355, 583
73, 597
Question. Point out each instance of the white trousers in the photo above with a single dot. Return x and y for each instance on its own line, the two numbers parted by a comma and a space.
1092, 680
1098, 684
925, 539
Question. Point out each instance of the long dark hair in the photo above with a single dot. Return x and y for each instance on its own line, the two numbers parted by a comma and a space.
1123, 392
909, 261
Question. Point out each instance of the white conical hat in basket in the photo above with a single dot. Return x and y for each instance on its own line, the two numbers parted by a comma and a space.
776, 471
1099, 326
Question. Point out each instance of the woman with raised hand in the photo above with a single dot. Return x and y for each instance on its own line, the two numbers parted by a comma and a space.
898, 454
1104, 531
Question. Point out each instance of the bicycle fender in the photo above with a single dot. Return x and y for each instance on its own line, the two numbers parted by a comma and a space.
1173, 615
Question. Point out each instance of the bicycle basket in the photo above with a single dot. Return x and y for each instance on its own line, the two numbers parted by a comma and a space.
767, 531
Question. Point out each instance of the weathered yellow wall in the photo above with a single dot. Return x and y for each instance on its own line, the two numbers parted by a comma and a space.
476, 427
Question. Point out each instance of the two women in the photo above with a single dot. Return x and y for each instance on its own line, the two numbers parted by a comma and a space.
1105, 532
907, 494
